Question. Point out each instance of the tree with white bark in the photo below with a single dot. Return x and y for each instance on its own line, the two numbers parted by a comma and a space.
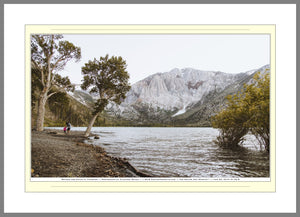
108, 78
50, 54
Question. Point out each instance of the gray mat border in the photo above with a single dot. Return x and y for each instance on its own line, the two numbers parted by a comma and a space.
138, 2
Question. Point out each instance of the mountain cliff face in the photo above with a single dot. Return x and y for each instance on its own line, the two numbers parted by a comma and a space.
199, 114
183, 97
178, 88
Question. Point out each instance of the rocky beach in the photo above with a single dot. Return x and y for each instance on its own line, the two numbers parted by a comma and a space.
56, 154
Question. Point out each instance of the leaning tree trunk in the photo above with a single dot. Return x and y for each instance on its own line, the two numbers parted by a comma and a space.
41, 111
88, 129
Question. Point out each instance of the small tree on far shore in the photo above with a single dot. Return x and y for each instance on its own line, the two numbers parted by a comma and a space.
108, 78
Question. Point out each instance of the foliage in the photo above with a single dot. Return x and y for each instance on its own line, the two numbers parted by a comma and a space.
108, 78
62, 83
49, 54
246, 111
59, 104
257, 100
61, 108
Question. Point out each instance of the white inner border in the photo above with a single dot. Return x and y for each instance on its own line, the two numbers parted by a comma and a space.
16, 16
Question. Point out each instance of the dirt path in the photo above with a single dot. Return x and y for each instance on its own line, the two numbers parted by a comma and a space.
54, 154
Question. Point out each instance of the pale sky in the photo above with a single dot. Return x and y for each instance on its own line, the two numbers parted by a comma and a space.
149, 54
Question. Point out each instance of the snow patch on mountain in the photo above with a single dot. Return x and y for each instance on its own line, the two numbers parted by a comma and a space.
180, 112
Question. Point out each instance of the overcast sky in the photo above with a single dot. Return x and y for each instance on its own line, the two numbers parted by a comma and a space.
149, 54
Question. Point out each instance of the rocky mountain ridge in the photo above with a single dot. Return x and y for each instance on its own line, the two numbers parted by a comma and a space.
185, 97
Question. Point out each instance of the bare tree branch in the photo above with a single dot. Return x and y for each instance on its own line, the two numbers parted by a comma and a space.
51, 94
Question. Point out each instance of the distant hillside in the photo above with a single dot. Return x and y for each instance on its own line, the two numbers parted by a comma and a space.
180, 97
77, 112
58, 113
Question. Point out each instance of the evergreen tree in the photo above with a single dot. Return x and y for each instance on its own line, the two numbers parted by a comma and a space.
50, 54
58, 104
108, 78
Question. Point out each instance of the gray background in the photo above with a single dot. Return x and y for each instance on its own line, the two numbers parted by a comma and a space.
135, 2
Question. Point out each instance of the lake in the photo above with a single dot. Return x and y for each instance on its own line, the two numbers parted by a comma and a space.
182, 152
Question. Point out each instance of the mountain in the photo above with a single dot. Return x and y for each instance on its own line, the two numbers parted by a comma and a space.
180, 97
178, 88
199, 114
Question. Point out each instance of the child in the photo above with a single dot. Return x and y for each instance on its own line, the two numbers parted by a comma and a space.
65, 129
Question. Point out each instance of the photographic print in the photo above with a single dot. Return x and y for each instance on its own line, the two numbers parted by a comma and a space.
173, 106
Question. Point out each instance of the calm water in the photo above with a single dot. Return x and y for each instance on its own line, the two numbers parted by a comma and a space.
180, 152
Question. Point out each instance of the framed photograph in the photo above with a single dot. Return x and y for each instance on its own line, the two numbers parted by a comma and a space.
150, 108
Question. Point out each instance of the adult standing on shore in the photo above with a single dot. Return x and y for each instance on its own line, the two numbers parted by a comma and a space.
68, 127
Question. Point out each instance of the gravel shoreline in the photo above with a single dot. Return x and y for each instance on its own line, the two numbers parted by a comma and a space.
55, 154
